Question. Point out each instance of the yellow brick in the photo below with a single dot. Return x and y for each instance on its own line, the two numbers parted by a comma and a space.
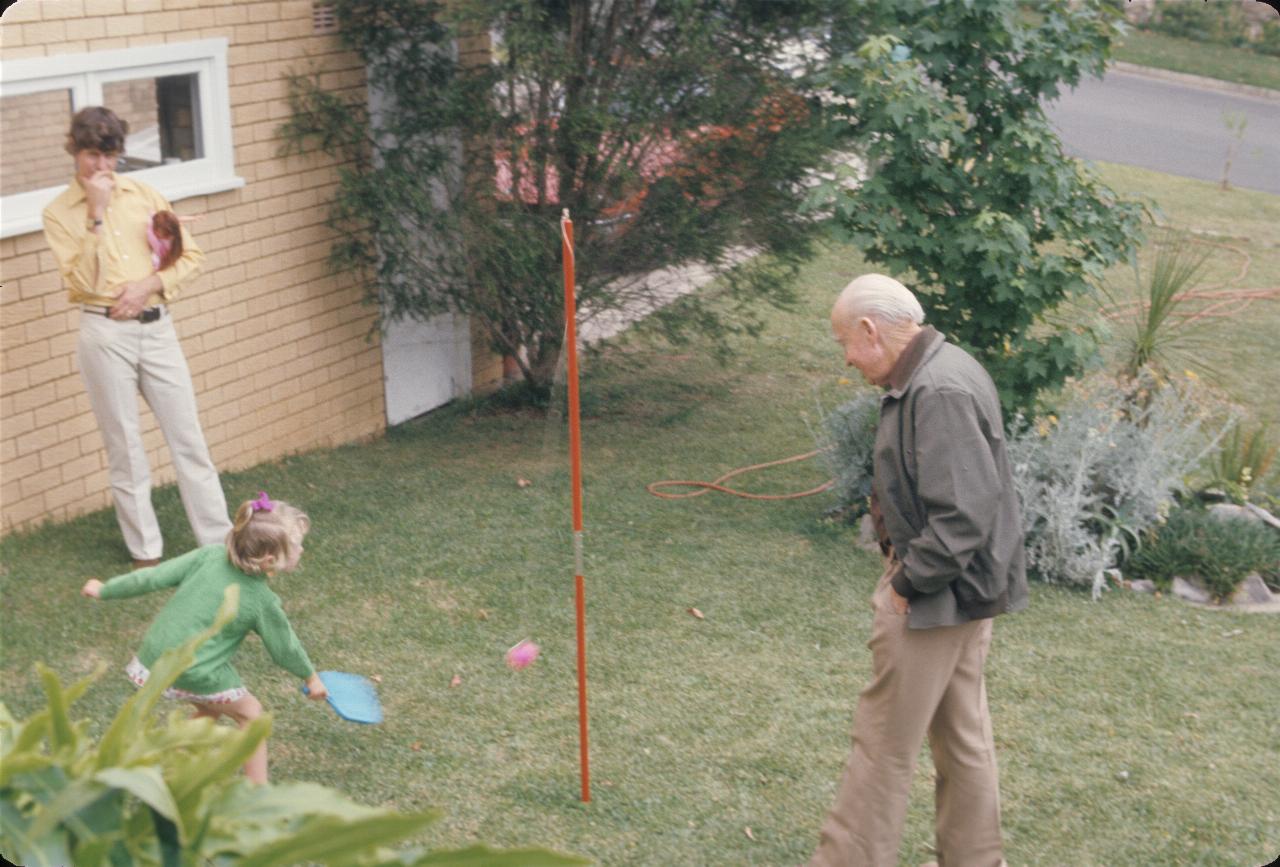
64, 495
33, 242
70, 386
247, 73
47, 370
21, 467
36, 484
20, 512
53, 9
237, 13
162, 22
191, 19
51, 413
58, 454
146, 39
247, 33
45, 328
10, 37
80, 467
296, 28
126, 25
143, 5
22, 357
86, 28
21, 266
53, 303
109, 44
23, 51
23, 11
23, 311
76, 427
260, 12
43, 32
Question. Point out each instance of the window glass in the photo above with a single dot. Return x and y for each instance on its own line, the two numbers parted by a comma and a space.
164, 119
33, 133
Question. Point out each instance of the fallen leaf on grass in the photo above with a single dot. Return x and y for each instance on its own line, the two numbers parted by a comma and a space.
416, 746
522, 482
376, 678
457, 681
750, 835
482, 614
696, 613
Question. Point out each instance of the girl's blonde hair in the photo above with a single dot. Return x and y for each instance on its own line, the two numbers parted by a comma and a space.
262, 534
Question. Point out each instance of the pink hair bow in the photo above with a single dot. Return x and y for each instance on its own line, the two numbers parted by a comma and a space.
263, 503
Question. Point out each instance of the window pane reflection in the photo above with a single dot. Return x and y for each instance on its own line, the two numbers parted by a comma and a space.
164, 119
33, 135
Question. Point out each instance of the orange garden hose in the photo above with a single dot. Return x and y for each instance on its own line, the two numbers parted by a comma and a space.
717, 485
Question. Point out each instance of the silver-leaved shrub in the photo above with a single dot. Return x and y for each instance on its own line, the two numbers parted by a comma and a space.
1106, 467
846, 438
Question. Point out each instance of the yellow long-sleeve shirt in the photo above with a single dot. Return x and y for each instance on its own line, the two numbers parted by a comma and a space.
94, 265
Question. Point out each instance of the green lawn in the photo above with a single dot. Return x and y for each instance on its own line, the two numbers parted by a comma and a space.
1199, 58
1131, 731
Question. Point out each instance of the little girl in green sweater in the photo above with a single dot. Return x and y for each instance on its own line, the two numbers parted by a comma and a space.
266, 539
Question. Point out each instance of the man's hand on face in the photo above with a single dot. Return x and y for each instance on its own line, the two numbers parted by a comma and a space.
98, 191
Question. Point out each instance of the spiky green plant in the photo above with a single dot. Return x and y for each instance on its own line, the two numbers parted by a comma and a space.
1244, 461
1160, 335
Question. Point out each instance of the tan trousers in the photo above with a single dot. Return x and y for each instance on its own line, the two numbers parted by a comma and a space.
924, 681
117, 360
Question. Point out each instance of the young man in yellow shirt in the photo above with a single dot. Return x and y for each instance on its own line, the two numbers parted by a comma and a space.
97, 230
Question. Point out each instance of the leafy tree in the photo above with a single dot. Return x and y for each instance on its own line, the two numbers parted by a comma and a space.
670, 129
968, 187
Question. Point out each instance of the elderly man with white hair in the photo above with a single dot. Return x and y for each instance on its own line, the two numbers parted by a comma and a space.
948, 519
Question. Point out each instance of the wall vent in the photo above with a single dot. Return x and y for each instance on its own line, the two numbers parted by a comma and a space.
324, 18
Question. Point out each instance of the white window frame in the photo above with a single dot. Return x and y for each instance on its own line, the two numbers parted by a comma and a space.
85, 74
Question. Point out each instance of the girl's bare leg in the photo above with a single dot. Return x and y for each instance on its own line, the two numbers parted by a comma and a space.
242, 711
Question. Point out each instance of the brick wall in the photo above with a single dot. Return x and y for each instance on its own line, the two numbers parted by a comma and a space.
278, 345
33, 130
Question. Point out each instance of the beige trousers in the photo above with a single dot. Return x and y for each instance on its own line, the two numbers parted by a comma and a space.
117, 361
924, 681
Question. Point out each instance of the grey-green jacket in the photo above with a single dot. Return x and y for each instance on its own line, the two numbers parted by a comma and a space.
945, 489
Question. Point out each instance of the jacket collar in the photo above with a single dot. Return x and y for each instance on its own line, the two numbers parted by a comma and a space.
914, 354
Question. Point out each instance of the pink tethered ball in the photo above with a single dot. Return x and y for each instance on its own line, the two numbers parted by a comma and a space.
522, 655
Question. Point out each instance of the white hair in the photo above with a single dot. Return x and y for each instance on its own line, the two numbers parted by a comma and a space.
882, 298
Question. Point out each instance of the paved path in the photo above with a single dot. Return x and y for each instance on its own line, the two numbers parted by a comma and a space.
1172, 124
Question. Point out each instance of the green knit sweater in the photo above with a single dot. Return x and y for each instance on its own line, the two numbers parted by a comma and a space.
201, 576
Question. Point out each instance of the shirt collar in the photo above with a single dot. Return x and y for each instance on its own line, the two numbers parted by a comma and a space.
913, 354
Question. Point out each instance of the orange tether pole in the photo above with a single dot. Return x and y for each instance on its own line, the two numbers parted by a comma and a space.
575, 461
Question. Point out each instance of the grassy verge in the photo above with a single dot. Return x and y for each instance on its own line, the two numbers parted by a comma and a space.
1199, 58
1132, 731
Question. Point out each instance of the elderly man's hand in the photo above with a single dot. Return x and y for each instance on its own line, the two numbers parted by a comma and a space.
899, 603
